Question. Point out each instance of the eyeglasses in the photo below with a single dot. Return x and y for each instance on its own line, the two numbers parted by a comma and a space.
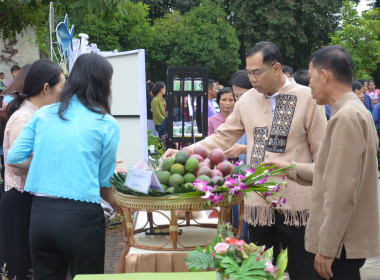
257, 73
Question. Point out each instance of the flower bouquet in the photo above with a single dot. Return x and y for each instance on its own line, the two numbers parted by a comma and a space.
243, 180
234, 259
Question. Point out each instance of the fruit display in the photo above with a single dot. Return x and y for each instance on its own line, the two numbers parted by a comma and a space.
177, 174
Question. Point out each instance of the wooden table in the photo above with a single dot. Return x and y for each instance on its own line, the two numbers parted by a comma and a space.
137, 204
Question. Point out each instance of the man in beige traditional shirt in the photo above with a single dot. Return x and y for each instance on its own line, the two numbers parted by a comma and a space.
281, 121
343, 228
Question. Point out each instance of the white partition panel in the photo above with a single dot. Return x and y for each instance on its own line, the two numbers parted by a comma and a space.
129, 104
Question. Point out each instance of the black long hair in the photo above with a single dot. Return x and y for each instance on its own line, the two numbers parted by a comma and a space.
40, 72
90, 80
157, 87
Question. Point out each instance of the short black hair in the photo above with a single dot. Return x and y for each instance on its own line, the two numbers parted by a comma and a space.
287, 69
1, 73
337, 60
224, 91
362, 82
269, 50
15, 68
356, 85
210, 82
301, 77
240, 79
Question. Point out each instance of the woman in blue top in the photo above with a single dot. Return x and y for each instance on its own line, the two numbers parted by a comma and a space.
74, 146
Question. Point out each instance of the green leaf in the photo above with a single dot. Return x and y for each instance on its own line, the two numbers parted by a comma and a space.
199, 260
282, 262
268, 255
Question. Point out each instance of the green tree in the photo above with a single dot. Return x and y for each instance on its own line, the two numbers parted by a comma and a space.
360, 35
112, 24
201, 37
124, 28
16, 16
297, 27
159, 8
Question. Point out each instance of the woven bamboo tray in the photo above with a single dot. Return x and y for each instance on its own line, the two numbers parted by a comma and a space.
170, 203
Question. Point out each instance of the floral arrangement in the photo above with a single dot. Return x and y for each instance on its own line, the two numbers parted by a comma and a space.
234, 259
244, 179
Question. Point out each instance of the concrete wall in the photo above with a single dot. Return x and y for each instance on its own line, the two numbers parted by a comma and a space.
20, 51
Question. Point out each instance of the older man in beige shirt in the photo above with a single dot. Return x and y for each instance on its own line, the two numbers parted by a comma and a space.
343, 229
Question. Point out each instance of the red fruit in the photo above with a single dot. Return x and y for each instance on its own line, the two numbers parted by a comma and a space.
225, 167
216, 156
204, 170
216, 172
206, 160
204, 164
200, 151
198, 157
188, 150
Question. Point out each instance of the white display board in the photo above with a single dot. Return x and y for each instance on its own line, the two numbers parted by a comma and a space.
129, 104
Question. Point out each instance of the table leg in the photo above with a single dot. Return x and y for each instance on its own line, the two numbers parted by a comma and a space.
241, 217
129, 226
187, 217
150, 220
173, 228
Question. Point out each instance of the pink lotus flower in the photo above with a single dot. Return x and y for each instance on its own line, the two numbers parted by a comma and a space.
269, 267
221, 248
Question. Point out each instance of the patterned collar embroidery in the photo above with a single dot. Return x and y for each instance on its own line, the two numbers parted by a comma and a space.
277, 140
282, 120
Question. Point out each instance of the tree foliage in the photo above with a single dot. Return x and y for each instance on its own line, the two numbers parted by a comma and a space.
159, 8
360, 35
213, 33
201, 37
16, 16
297, 27
126, 27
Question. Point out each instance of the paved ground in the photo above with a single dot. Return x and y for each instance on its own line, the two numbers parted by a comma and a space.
115, 245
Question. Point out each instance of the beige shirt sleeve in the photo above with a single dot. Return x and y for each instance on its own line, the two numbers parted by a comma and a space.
315, 124
226, 135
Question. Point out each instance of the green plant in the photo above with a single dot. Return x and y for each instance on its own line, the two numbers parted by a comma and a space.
236, 259
158, 147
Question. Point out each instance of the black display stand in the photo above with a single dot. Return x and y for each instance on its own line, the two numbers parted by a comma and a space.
182, 82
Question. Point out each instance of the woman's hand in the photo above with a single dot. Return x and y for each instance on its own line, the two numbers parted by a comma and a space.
108, 195
119, 168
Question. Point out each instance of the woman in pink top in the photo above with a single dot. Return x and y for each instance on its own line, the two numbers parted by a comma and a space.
42, 86
226, 101
373, 92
